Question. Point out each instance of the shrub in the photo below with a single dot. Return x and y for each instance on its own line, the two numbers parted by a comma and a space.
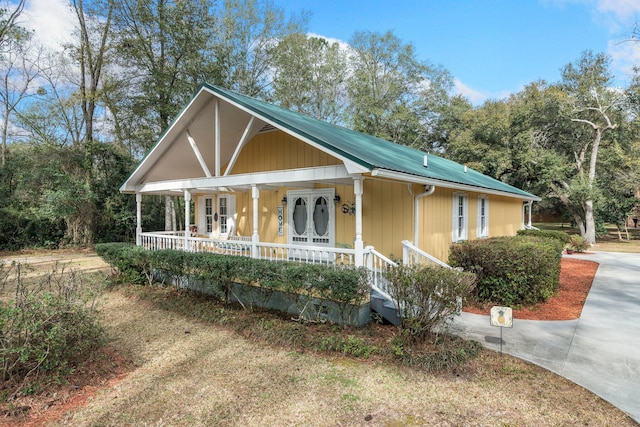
511, 270
46, 331
578, 243
565, 238
427, 295
216, 274
129, 263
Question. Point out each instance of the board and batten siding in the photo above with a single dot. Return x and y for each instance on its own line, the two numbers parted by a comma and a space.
387, 206
436, 219
276, 150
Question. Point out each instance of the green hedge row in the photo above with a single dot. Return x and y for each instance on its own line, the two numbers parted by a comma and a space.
216, 273
553, 234
511, 270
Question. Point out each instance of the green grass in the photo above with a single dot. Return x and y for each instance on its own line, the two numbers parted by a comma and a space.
610, 242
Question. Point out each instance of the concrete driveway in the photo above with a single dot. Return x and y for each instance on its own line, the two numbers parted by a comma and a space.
599, 351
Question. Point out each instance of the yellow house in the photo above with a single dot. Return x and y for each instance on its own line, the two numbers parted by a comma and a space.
266, 182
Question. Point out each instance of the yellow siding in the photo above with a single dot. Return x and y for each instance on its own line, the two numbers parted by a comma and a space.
388, 206
436, 219
277, 150
387, 216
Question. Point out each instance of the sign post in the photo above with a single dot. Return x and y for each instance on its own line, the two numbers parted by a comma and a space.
502, 317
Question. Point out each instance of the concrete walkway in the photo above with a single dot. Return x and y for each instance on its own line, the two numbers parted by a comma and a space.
599, 351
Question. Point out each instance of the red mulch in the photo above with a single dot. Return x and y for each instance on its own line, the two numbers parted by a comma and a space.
576, 277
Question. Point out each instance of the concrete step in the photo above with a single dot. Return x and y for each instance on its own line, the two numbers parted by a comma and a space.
385, 308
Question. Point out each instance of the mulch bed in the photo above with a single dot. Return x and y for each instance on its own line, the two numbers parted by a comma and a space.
576, 277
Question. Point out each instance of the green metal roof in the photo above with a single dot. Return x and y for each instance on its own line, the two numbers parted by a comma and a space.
369, 151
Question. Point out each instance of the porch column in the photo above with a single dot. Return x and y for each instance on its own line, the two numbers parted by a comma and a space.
530, 206
138, 219
187, 219
359, 244
255, 238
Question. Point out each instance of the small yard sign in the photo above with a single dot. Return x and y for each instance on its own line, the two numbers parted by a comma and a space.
502, 316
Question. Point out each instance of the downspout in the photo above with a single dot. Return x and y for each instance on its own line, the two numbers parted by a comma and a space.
429, 189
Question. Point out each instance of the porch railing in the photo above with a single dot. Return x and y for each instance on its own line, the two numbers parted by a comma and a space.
163, 240
378, 265
306, 254
414, 255
242, 246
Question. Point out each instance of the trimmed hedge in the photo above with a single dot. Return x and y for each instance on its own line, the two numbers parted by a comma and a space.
552, 234
511, 270
215, 273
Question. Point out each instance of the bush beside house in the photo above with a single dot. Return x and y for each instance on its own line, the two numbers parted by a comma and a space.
219, 275
511, 270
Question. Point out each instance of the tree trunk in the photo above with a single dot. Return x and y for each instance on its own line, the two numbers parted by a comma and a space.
168, 213
590, 223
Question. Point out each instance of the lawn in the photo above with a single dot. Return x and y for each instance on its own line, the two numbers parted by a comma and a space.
174, 359
610, 242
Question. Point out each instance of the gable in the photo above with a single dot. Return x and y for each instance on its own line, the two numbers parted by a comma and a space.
276, 150
223, 125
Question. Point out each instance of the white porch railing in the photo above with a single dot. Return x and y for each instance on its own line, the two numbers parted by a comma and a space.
162, 240
234, 245
414, 255
378, 265
242, 245
306, 254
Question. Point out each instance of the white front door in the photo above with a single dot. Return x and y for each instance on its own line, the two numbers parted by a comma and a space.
311, 217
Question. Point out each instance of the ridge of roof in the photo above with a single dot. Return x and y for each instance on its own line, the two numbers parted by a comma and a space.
370, 151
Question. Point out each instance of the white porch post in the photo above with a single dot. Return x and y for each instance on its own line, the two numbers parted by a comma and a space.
530, 206
359, 244
255, 238
187, 219
138, 219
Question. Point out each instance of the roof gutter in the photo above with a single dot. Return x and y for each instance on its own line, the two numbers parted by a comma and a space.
400, 176
416, 212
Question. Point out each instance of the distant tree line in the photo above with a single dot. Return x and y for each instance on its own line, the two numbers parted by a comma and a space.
76, 118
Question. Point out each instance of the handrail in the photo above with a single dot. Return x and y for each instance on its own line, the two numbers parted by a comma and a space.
378, 265
414, 255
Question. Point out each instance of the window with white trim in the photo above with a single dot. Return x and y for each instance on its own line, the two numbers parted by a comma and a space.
208, 214
483, 216
226, 213
460, 220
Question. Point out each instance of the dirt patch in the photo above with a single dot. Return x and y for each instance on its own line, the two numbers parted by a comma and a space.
105, 371
576, 278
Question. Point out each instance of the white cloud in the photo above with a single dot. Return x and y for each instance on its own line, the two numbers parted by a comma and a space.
474, 96
624, 11
51, 20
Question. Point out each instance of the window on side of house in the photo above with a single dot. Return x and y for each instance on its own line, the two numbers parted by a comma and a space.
460, 220
483, 216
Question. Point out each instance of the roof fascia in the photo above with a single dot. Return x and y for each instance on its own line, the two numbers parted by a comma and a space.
400, 176
178, 118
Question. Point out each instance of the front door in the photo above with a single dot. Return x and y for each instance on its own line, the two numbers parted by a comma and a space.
311, 217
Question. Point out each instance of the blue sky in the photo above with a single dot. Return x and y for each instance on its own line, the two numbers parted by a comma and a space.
492, 47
